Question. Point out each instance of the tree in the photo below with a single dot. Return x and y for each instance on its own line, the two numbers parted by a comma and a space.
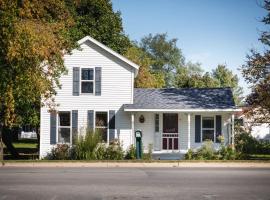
166, 56
145, 78
34, 36
226, 78
256, 72
97, 19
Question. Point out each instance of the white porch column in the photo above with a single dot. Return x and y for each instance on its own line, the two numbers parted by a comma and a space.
132, 129
188, 130
232, 129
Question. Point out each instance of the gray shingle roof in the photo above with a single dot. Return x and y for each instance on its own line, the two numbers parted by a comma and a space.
182, 98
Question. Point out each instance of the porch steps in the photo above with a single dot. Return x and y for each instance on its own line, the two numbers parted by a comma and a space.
168, 156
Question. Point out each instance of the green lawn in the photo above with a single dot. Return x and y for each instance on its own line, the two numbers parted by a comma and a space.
26, 144
259, 156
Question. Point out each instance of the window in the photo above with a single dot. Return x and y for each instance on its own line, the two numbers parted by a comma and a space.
64, 127
102, 124
87, 81
208, 128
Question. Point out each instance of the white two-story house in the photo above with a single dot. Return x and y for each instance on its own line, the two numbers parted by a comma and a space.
98, 93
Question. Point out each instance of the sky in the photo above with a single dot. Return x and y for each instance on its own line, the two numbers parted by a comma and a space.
211, 32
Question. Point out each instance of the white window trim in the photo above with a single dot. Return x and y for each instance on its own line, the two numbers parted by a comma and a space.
94, 78
104, 111
58, 126
214, 117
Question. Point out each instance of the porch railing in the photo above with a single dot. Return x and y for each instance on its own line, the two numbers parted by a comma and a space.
170, 141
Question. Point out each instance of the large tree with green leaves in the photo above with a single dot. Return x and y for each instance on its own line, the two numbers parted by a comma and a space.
191, 75
97, 19
145, 78
226, 78
166, 56
34, 36
256, 72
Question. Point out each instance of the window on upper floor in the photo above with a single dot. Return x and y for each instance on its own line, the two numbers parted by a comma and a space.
87, 81
208, 128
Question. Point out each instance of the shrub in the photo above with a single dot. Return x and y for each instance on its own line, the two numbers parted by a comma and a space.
227, 153
205, 152
246, 144
114, 151
148, 155
189, 155
85, 146
131, 153
60, 152
100, 151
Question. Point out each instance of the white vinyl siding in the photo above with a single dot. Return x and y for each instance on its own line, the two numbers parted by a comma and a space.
117, 89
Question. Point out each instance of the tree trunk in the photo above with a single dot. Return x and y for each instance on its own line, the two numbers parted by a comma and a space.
7, 139
1, 145
38, 137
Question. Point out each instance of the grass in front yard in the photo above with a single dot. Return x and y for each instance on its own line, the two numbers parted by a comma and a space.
259, 157
26, 143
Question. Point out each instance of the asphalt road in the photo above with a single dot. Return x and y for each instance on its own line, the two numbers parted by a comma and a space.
134, 183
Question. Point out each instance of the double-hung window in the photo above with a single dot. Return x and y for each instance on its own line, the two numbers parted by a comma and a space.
102, 124
208, 128
87, 80
64, 127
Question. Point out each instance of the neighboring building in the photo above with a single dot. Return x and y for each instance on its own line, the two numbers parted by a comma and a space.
260, 131
98, 93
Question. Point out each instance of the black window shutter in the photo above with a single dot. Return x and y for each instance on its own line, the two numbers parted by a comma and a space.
90, 120
111, 124
76, 81
156, 122
74, 125
98, 81
53, 128
218, 127
197, 128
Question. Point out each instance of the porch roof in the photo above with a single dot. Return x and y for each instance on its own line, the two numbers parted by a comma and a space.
182, 99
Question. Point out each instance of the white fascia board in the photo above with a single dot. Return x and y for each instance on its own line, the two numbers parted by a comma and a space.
88, 38
183, 110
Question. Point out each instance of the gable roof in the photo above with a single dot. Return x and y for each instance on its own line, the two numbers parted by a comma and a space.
107, 49
189, 99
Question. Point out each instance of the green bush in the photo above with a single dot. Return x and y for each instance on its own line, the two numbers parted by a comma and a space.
189, 155
60, 152
148, 155
131, 153
100, 152
85, 146
227, 153
246, 144
114, 151
206, 152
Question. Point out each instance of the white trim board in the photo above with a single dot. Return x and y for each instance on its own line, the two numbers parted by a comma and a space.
182, 110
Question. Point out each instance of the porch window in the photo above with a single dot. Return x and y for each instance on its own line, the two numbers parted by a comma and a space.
208, 128
102, 124
64, 127
87, 81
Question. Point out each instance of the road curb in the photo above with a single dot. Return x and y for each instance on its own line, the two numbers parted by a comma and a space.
139, 165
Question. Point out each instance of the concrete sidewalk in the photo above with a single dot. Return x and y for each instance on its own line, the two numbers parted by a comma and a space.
180, 164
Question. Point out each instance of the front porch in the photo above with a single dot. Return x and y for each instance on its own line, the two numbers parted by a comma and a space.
172, 133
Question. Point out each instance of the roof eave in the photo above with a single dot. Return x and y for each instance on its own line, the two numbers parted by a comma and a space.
182, 110
88, 38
